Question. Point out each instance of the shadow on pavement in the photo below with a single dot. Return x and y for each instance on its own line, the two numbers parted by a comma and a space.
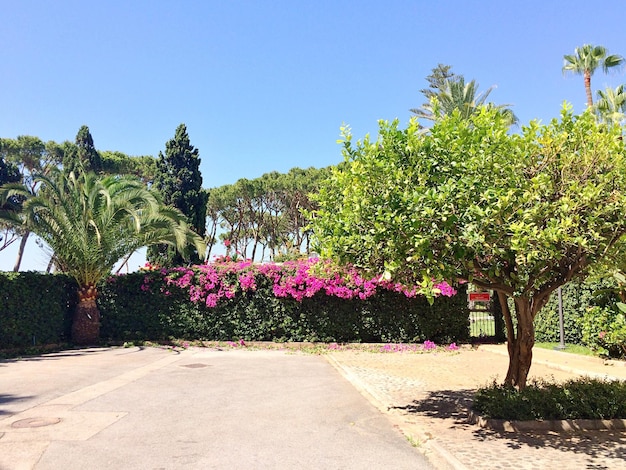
454, 405
5, 399
444, 404
595, 444
53, 356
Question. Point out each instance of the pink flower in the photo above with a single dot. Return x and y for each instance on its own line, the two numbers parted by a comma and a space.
453, 347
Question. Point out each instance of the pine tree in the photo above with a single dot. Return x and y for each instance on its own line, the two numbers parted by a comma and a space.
179, 181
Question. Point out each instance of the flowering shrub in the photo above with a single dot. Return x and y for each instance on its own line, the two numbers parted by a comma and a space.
295, 301
300, 279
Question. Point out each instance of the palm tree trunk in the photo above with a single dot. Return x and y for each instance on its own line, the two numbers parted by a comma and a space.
20, 251
86, 323
587, 76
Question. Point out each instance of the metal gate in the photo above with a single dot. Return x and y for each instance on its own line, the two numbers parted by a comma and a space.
482, 316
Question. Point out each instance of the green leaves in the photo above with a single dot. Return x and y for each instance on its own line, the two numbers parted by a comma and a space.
90, 223
179, 181
470, 199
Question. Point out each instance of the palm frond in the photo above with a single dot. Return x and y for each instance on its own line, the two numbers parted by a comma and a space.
90, 222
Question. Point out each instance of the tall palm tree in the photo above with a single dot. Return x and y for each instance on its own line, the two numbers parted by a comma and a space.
90, 223
611, 105
586, 60
455, 94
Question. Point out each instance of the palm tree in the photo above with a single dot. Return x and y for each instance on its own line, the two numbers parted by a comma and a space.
611, 105
90, 223
455, 94
586, 60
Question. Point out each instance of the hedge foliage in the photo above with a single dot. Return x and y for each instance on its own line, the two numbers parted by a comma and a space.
35, 309
132, 312
578, 297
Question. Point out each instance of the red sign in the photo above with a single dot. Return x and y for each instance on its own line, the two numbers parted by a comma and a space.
479, 297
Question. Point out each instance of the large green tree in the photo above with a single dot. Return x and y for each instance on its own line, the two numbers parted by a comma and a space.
586, 60
118, 163
265, 214
179, 181
521, 214
437, 83
82, 155
8, 174
31, 156
90, 223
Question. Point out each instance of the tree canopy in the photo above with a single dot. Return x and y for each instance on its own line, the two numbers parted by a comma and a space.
266, 214
518, 213
179, 181
611, 105
82, 155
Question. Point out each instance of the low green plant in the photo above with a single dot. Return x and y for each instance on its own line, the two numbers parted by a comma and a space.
581, 398
145, 306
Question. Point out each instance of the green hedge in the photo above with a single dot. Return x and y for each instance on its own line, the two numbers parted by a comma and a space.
130, 313
578, 296
35, 309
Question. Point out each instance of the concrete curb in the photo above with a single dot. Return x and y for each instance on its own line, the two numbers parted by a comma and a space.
566, 425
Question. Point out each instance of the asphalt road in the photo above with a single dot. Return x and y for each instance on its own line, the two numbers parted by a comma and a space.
195, 409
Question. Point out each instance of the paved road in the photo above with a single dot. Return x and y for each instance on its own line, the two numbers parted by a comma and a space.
196, 409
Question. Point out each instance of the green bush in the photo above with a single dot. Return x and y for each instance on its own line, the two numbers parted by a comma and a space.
161, 311
604, 330
578, 297
35, 309
582, 398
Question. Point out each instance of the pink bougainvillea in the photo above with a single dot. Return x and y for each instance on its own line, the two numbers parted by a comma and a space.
210, 283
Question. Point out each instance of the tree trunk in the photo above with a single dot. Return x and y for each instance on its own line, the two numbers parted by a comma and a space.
521, 345
587, 76
254, 249
86, 323
124, 263
20, 251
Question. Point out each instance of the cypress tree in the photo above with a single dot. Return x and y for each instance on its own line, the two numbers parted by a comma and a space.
82, 156
179, 181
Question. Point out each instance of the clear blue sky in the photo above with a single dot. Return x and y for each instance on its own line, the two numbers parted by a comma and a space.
265, 85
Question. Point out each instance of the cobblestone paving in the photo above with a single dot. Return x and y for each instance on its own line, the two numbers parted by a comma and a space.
431, 397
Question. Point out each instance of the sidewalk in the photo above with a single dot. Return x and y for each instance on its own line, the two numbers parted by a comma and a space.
429, 397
